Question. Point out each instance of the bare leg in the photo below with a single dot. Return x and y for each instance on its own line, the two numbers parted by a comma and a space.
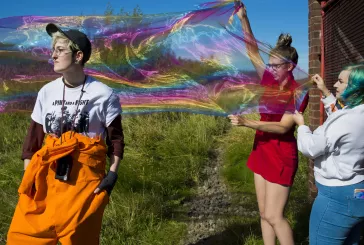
268, 233
276, 198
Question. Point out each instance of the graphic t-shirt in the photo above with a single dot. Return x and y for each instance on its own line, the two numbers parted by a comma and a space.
97, 108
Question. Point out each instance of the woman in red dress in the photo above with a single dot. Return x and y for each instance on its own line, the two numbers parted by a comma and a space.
274, 158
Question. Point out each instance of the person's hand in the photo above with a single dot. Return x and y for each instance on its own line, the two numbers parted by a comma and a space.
321, 85
237, 120
241, 13
107, 183
298, 118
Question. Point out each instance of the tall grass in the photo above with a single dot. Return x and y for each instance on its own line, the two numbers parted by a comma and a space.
163, 158
12, 131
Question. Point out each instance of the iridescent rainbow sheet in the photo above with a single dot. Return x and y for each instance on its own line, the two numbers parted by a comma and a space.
194, 62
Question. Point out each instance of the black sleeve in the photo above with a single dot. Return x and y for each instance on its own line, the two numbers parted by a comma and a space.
115, 138
33, 141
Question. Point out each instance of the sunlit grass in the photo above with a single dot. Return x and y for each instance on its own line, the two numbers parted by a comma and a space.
163, 159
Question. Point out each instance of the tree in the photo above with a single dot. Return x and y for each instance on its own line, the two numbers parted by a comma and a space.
108, 13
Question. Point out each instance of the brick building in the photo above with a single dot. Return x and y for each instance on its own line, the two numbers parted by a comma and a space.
336, 39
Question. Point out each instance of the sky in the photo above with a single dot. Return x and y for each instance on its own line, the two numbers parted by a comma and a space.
268, 18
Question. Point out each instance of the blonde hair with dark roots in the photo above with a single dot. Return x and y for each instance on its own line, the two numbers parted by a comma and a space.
284, 50
71, 45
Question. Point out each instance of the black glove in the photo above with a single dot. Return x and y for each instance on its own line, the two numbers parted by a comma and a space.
108, 182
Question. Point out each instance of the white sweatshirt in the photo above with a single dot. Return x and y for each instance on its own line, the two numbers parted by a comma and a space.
337, 146
330, 104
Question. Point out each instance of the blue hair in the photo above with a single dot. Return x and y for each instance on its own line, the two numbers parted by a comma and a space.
353, 95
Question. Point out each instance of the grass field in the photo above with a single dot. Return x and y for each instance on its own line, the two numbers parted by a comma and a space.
163, 159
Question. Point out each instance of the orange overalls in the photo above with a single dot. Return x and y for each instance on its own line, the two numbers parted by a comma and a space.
49, 209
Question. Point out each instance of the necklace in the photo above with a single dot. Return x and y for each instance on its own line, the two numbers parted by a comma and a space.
76, 112
69, 84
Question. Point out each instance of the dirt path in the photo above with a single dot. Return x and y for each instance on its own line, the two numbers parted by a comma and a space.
213, 205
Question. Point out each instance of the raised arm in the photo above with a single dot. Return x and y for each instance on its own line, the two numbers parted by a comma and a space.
329, 100
251, 43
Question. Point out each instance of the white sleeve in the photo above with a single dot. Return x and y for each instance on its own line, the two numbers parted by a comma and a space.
329, 102
37, 110
311, 145
113, 109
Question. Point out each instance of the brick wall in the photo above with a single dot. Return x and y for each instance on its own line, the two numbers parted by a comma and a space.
314, 66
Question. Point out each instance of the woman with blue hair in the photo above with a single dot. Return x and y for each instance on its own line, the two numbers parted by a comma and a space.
337, 148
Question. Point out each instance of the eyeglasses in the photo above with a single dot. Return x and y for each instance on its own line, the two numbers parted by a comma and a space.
275, 66
61, 51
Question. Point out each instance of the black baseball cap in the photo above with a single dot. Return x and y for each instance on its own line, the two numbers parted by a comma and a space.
76, 37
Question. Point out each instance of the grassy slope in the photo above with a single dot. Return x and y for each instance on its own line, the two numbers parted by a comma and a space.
162, 161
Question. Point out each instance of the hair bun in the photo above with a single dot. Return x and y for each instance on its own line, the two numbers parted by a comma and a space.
284, 40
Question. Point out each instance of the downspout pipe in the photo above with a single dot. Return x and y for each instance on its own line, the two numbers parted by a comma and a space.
323, 5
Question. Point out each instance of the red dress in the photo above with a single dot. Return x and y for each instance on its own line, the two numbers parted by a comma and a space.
275, 156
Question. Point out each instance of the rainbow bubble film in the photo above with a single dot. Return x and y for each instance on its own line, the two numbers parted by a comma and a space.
195, 62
